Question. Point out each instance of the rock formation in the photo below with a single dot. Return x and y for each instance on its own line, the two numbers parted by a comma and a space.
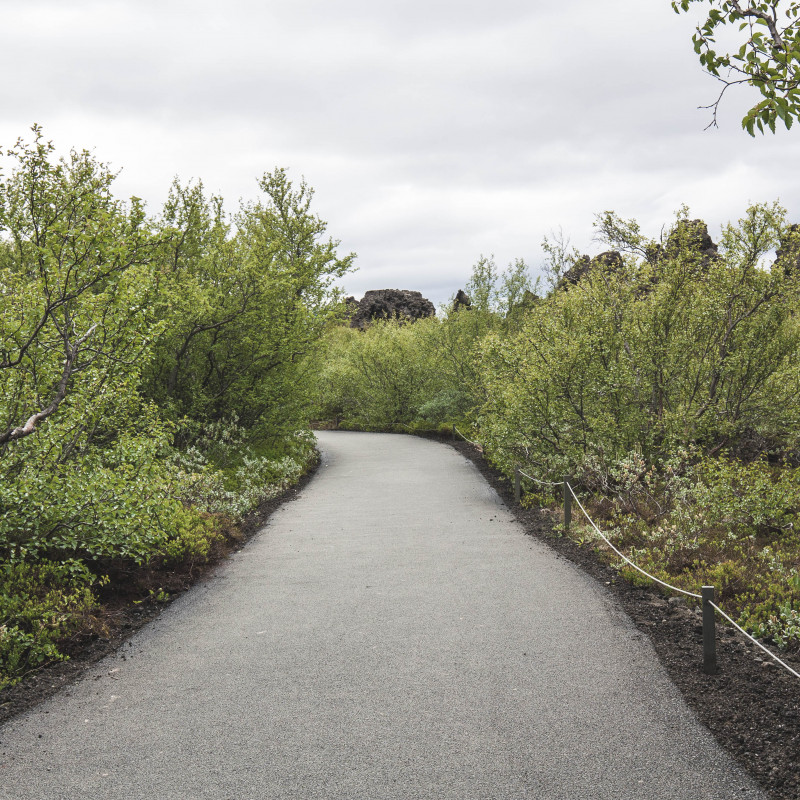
788, 254
584, 265
461, 301
692, 235
388, 304
689, 237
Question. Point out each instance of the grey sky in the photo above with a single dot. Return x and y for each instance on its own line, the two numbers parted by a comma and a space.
432, 131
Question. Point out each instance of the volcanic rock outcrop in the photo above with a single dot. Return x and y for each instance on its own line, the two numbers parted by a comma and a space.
461, 300
400, 304
690, 236
788, 253
584, 265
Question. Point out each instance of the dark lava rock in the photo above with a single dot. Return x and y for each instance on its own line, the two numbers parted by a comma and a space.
788, 254
653, 253
611, 260
518, 311
689, 240
580, 269
389, 304
462, 301
691, 236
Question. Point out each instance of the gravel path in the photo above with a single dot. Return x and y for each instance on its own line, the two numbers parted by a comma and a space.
390, 634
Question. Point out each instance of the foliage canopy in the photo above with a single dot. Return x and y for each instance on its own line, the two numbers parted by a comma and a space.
767, 58
150, 376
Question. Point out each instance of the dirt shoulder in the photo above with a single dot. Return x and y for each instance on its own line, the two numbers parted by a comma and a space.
132, 602
751, 706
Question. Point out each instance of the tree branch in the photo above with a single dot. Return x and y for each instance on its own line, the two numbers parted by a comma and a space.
61, 392
766, 18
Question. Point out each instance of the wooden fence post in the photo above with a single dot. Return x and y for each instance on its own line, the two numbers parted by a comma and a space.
709, 632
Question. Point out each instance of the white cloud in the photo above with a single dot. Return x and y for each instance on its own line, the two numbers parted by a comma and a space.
433, 132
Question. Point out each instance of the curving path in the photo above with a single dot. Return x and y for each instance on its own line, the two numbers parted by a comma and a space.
390, 634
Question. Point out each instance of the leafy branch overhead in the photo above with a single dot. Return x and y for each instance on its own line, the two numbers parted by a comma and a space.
768, 57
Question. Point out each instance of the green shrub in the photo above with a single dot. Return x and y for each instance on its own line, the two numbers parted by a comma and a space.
40, 604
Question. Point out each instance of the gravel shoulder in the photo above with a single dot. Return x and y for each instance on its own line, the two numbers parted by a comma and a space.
751, 706
129, 606
391, 635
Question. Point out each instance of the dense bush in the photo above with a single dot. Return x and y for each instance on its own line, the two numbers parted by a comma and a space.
377, 378
40, 604
424, 373
650, 355
662, 375
245, 298
151, 382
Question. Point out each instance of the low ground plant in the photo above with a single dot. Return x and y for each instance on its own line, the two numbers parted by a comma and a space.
40, 605
708, 521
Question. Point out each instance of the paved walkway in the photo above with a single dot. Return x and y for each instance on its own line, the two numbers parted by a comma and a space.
390, 634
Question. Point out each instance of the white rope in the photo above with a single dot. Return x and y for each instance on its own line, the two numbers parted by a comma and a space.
464, 437
638, 568
623, 556
754, 641
536, 480
676, 589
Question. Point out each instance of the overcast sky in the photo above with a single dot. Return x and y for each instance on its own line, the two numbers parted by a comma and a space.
433, 132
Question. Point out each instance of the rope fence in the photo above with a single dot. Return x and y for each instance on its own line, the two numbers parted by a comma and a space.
458, 432
756, 642
706, 596
708, 606
536, 480
622, 555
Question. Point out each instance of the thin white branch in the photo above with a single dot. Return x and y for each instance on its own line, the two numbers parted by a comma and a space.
30, 424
